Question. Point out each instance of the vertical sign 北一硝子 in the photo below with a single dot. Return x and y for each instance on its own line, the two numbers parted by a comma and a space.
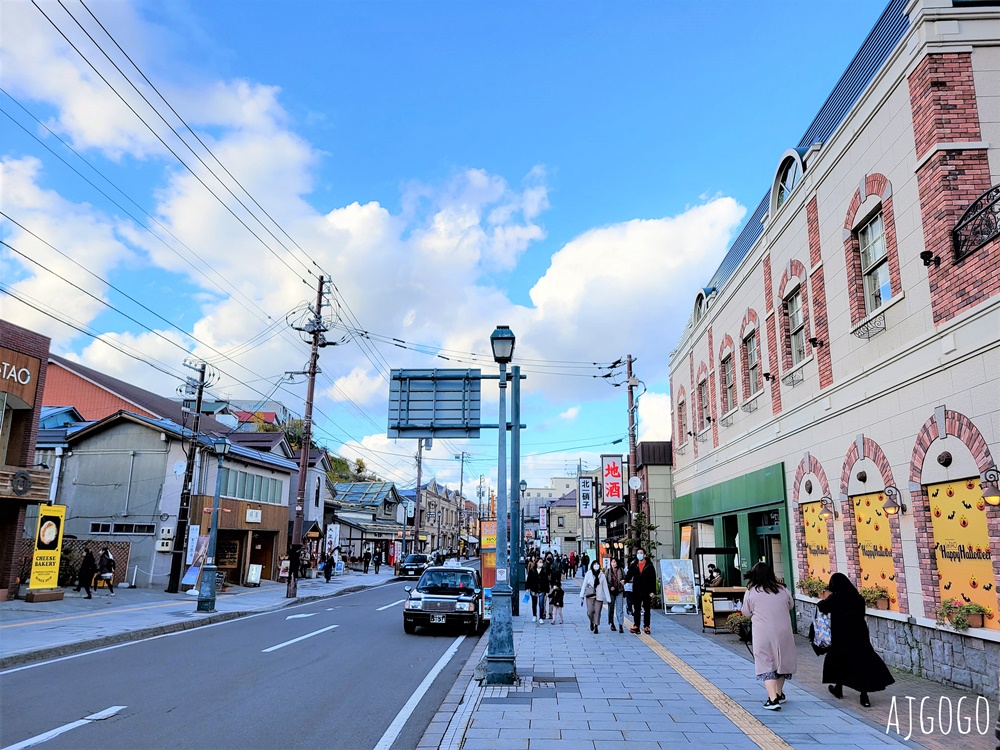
611, 479
586, 499
48, 548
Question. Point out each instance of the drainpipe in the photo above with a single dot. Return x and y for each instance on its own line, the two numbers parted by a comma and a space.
128, 487
56, 471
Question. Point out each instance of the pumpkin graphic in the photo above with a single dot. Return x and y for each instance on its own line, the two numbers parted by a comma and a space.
883, 575
937, 512
876, 527
970, 484
973, 582
981, 504
867, 502
963, 522
990, 614
950, 492
892, 599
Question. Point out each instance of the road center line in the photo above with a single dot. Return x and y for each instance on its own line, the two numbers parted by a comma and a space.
300, 638
404, 713
45, 737
379, 609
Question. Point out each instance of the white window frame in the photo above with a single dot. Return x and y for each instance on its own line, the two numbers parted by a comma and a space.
682, 408
729, 381
874, 260
752, 354
704, 411
796, 326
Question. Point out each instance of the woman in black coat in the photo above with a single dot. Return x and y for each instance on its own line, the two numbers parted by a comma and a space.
538, 585
851, 660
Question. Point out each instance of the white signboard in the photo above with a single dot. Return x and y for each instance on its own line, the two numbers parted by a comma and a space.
586, 497
253, 575
193, 531
501, 575
253, 516
543, 517
332, 537
611, 479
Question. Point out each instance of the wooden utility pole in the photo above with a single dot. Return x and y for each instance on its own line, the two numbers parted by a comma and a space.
416, 494
184, 510
316, 328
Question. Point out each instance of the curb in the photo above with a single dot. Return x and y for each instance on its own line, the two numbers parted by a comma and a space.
18, 660
446, 721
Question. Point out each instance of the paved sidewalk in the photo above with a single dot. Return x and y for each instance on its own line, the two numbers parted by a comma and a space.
674, 687
42, 630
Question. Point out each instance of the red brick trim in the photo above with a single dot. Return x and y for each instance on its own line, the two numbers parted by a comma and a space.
713, 405
693, 404
874, 184
727, 350
794, 272
957, 425
772, 366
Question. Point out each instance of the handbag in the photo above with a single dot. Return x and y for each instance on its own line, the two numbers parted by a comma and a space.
589, 591
820, 633
105, 576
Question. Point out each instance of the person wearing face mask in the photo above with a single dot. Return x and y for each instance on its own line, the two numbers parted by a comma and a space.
538, 585
594, 594
642, 576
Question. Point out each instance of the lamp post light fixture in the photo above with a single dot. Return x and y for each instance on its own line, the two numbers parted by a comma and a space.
828, 509
500, 667
991, 486
892, 506
206, 591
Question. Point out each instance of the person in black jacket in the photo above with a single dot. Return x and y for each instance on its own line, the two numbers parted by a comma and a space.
556, 603
106, 569
643, 579
88, 569
851, 659
538, 584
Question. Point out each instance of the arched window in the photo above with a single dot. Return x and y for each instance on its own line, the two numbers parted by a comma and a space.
788, 179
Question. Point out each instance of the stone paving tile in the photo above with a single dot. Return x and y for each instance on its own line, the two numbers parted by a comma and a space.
540, 744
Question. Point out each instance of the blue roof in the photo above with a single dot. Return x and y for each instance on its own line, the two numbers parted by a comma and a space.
366, 493
881, 41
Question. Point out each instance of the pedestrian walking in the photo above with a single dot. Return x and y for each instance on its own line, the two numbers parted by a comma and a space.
767, 604
616, 605
572, 564
538, 585
377, 559
584, 564
642, 576
106, 569
594, 593
366, 559
328, 567
851, 660
88, 569
556, 603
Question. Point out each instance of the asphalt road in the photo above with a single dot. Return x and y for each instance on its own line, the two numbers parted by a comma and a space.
244, 684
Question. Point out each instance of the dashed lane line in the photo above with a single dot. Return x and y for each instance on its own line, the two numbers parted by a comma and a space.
379, 609
46, 736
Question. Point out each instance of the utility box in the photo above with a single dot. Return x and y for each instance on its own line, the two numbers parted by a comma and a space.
165, 545
166, 532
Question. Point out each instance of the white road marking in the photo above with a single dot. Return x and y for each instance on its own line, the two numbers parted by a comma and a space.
379, 609
187, 631
296, 617
300, 638
38, 739
404, 713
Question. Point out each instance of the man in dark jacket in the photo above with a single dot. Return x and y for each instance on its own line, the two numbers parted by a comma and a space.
366, 558
642, 576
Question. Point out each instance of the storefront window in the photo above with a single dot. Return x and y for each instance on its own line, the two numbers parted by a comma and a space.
962, 546
875, 545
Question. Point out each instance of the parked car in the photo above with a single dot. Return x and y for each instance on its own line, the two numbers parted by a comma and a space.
446, 596
413, 566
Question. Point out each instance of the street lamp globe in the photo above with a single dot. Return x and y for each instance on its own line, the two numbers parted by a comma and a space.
524, 486
502, 341
221, 446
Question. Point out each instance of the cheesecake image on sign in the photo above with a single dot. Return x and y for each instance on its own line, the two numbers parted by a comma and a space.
48, 534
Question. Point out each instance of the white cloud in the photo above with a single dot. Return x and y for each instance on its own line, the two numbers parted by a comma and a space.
654, 416
360, 385
571, 413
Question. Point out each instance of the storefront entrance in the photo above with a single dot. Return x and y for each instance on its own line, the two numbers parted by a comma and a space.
262, 553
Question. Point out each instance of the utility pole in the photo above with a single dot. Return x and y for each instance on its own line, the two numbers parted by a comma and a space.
315, 328
416, 494
479, 506
632, 460
184, 511
461, 486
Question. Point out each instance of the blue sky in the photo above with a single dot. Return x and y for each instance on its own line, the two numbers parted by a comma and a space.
575, 170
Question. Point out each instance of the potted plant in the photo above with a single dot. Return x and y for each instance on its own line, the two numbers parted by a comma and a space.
740, 625
812, 586
876, 597
960, 615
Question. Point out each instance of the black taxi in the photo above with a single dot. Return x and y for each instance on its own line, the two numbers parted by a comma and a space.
446, 595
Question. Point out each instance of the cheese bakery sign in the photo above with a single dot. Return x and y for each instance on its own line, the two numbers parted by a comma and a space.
48, 547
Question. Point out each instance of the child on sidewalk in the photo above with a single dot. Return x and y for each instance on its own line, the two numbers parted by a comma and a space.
556, 603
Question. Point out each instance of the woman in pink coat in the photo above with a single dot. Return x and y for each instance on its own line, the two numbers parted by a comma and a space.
767, 604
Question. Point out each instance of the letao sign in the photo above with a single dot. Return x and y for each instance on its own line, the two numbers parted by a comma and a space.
48, 547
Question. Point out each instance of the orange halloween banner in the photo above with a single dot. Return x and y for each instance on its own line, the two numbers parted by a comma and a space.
875, 545
817, 541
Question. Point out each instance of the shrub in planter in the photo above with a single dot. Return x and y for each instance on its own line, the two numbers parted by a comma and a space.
960, 615
812, 586
876, 597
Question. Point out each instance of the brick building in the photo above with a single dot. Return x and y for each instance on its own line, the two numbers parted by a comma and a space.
835, 393
23, 357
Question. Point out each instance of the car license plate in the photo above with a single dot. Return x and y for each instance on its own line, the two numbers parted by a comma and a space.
437, 618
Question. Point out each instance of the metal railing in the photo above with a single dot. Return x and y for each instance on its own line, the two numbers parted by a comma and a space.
979, 224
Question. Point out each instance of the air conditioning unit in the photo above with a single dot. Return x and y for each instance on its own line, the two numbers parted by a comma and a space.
165, 545
166, 532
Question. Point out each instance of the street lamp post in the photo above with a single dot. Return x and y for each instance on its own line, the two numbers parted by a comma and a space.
206, 591
500, 667
517, 546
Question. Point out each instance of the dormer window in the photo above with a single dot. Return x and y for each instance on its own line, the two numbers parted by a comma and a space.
791, 167
790, 176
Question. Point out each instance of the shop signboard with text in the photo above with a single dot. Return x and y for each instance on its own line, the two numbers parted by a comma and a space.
611, 479
48, 548
586, 497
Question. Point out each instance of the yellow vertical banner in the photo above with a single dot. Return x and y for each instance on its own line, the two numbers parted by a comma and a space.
817, 541
875, 545
962, 546
48, 548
